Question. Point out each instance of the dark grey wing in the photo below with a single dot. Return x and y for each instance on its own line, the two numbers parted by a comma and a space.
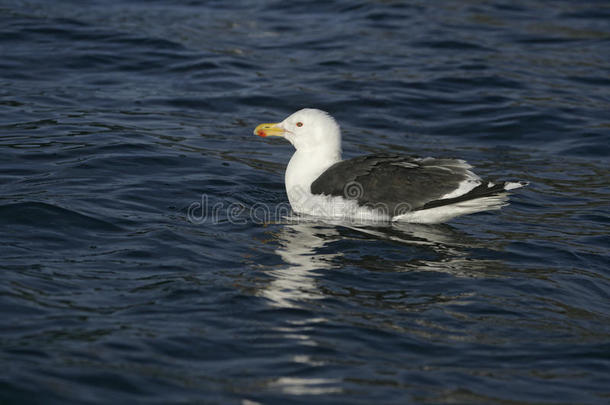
397, 183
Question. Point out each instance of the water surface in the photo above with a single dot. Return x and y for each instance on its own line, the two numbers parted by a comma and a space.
148, 254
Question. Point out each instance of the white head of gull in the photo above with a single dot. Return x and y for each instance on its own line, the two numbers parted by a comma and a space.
387, 187
316, 136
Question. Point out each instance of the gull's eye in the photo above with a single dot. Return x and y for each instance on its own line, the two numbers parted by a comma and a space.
299, 124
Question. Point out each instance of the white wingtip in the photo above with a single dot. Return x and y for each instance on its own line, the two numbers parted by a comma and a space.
510, 185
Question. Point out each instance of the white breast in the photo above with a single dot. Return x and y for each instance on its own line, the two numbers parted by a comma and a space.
302, 170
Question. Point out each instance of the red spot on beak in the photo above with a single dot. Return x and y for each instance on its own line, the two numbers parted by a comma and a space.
261, 133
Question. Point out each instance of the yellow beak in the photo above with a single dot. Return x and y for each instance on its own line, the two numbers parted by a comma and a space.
272, 129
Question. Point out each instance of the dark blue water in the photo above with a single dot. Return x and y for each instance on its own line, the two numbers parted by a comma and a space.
146, 254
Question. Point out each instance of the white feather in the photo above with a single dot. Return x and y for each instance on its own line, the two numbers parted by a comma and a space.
444, 213
463, 188
514, 184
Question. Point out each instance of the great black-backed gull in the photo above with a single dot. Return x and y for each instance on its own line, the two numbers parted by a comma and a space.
386, 187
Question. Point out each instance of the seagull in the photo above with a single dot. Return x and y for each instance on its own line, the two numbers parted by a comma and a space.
376, 187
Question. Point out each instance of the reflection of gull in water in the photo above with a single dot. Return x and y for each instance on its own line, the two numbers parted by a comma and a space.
441, 236
299, 244
451, 246
310, 250
304, 248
